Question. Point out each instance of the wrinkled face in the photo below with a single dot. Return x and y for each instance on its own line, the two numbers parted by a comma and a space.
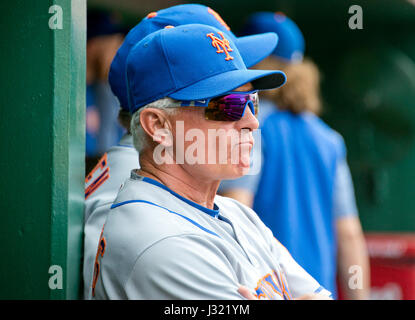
213, 150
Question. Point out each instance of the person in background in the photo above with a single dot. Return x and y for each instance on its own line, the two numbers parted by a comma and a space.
104, 37
304, 192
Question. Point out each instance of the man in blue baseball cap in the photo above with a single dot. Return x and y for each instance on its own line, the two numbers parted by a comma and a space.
253, 48
291, 45
103, 182
168, 235
104, 37
304, 192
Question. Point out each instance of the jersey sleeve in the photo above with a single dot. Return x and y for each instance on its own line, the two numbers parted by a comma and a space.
182, 267
299, 281
344, 202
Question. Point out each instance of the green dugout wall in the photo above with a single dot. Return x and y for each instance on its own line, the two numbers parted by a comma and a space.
42, 134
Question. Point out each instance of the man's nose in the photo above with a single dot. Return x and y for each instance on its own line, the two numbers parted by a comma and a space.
248, 121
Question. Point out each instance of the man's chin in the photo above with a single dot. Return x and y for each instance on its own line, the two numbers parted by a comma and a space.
235, 173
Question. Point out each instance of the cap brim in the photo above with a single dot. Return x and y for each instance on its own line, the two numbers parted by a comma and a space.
224, 82
256, 47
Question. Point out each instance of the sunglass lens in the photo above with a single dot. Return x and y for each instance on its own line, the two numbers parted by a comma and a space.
231, 107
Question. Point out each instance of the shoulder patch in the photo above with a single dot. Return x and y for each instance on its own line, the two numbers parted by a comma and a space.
97, 176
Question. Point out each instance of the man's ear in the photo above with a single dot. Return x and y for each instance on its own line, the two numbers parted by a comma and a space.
157, 126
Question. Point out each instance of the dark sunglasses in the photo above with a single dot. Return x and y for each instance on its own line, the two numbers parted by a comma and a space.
230, 107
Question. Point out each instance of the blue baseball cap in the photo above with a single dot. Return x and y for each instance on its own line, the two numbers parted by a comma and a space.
291, 44
253, 48
187, 63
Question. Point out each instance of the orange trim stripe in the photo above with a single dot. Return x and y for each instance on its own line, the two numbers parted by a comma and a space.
100, 165
100, 252
97, 183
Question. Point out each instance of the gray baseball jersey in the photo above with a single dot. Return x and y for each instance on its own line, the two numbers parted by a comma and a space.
101, 188
157, 244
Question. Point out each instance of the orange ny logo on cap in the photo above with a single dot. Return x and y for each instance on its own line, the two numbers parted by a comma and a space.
221, 45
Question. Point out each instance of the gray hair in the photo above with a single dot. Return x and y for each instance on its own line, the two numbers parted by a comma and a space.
168, 105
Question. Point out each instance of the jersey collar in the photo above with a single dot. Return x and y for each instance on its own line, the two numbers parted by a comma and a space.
214, 213
126, 141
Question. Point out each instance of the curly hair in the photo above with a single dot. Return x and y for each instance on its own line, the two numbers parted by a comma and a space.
301, 92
